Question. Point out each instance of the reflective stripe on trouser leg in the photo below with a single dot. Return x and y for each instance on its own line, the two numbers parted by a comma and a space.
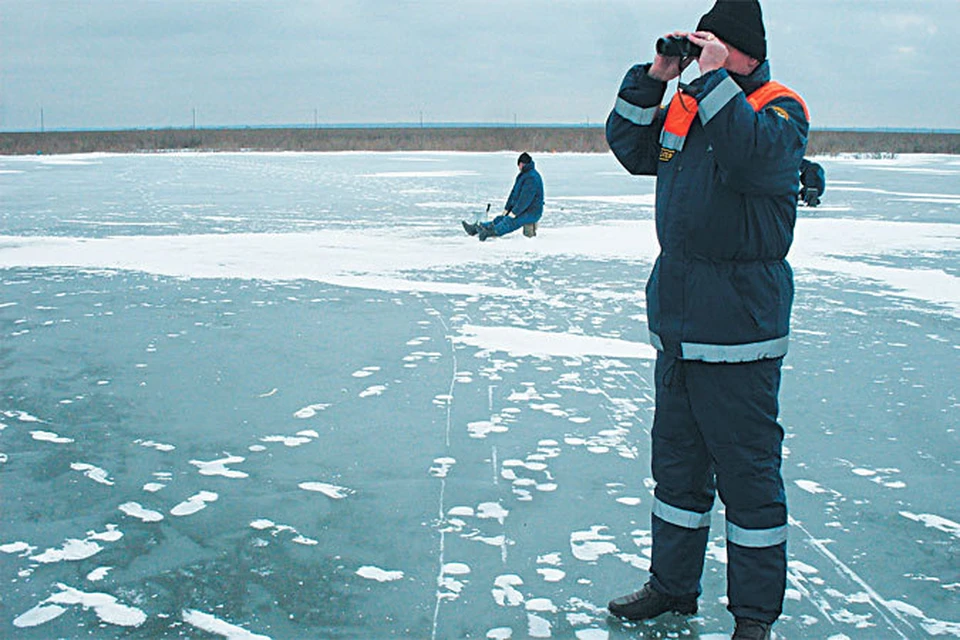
736, 407
685, 489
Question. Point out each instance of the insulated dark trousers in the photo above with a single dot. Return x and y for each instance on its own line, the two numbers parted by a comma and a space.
715, 429
502, 225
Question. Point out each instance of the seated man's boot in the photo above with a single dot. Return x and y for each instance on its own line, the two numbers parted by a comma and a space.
650, 603
748, 629
486, 232
471, 229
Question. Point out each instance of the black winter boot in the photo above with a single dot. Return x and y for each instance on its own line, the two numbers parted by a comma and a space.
471, 229
486, 233
650, 603
748, 629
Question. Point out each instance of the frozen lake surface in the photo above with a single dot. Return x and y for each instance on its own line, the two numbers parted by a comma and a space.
284, 396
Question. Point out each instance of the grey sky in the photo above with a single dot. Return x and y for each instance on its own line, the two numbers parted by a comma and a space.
142, 63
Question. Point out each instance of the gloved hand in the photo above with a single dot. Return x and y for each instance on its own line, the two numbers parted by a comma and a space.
813, 181
810, 196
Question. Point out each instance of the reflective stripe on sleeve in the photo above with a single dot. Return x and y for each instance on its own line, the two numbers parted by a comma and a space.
713, 102
642, 116
680, 517
655, 341
756, 538
750, 352
671, 140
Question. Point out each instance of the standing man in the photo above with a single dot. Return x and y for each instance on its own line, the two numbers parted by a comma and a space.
726, 154
524, 206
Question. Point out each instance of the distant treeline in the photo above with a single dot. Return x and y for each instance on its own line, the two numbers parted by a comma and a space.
586, 139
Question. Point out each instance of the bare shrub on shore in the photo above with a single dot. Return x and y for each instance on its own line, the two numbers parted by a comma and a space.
534, 139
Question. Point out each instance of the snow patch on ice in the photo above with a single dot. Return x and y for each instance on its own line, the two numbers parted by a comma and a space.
527, 342
378, 574
262, 524
98, 574
420, 174
482, 428
159, 446
21, 548
492, 510
310, 410
934, 522
135, 510
94, 473
441, 467
194, 503
330, 490
640, 199
106, 606
365, 372
302, 437
22, 416
49, 436
588, 546
374, 390
216, 626
219, 467
810, 486
505, 592
75, 549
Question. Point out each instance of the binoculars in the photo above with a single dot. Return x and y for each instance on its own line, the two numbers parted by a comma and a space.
677, 47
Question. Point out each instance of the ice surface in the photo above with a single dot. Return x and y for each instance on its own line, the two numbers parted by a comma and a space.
284, 396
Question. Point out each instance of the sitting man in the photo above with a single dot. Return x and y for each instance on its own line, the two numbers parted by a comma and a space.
524, 206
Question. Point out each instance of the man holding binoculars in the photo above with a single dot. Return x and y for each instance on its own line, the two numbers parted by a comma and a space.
727, 153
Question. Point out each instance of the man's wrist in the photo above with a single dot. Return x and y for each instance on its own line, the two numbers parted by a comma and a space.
654, 75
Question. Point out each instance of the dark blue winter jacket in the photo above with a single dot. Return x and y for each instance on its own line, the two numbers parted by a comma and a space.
526, 197
721, 288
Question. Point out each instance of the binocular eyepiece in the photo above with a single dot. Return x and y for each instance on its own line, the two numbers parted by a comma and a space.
677, 47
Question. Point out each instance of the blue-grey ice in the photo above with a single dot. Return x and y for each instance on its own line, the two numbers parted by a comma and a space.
282, 395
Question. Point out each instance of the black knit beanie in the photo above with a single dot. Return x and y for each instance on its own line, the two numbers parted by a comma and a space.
524, 158
739, 23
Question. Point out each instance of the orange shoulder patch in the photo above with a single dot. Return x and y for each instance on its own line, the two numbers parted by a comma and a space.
780, 111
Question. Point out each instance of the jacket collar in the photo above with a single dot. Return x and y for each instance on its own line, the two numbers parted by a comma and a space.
752, 82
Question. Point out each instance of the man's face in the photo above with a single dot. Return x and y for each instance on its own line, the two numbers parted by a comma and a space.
738, 62
519, 166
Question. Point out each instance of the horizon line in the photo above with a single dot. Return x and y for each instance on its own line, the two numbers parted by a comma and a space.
424, 125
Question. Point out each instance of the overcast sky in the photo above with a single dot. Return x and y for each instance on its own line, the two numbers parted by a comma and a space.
156, 63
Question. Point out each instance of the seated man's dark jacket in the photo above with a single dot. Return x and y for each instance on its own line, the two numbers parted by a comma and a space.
526, 197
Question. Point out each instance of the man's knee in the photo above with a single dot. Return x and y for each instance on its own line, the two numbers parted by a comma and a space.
754, 500
506, 225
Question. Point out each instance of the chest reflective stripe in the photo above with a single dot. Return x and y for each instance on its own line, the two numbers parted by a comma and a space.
680, 116
683, 111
